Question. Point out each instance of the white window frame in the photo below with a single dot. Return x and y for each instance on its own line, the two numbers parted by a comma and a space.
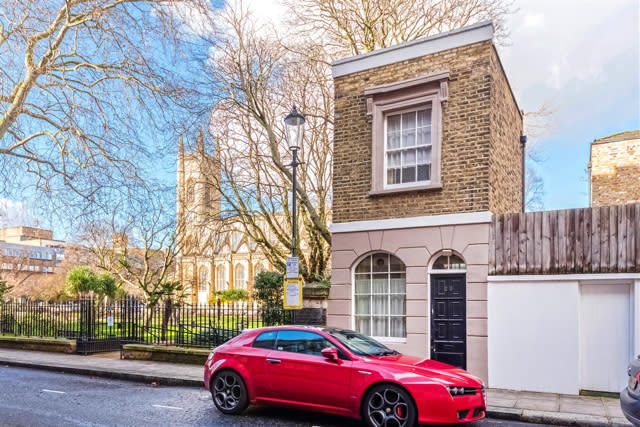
430, 91
387, 339
387, 186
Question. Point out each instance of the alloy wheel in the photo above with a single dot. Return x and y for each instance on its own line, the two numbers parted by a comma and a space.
227, 391
388, 408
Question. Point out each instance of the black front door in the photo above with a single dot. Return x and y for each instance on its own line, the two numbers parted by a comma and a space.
449, 319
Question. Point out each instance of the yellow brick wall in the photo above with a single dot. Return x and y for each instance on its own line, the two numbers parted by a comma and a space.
615, 173
480, 165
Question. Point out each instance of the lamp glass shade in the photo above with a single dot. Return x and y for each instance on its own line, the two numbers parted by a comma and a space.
294, 126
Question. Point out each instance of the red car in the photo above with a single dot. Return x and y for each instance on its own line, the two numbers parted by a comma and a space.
338, 371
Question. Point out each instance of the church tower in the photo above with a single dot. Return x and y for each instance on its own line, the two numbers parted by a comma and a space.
198, 200
198, 208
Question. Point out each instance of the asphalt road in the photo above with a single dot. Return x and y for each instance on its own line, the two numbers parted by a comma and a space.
38, 398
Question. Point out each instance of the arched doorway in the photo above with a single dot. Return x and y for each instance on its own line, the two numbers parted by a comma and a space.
448, 309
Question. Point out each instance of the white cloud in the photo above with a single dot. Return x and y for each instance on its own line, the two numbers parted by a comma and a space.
574, 47
14, 214
534, 20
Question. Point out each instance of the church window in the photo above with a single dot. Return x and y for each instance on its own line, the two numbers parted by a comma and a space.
191, 191
259, 268
203, 285
241, 277
221, 280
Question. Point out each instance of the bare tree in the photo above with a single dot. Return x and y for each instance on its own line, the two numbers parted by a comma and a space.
536, 125
258, 74
355, 27
18, 276
259, 80
140, 251
82, 84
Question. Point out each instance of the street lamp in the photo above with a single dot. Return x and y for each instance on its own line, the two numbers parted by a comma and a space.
294, 126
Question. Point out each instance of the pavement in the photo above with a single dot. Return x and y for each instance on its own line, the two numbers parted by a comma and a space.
543, 408
555, 409
107, 365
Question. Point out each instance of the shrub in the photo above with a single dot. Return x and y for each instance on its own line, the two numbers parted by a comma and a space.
81, 280
268, 289
230, 295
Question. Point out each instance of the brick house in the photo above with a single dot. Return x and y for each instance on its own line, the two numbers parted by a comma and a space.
426, 148
614, 169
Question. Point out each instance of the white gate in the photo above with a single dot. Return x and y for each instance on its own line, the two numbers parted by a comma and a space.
605, 336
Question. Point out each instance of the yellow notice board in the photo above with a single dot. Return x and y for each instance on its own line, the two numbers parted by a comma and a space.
293, 293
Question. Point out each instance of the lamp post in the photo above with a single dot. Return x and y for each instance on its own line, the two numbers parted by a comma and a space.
294, 125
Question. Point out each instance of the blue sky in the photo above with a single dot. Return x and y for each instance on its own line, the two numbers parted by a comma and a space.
583, 58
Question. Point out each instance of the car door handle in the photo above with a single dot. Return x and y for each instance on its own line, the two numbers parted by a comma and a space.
273, 360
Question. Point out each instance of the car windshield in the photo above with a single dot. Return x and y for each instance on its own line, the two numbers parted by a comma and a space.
360, 344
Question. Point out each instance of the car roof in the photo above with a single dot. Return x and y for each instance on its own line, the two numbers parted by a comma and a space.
327, 329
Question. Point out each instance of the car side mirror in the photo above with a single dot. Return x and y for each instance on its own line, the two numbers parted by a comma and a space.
330, 354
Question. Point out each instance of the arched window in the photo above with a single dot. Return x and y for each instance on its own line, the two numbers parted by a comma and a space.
221, 279
241, 277
258, 268
188, 276
203, 284
380, 294
191, 191
449, 262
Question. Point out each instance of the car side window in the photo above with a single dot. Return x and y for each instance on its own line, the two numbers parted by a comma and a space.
265, 340
303, 342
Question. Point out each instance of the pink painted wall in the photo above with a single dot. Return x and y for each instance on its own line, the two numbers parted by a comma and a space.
417, 247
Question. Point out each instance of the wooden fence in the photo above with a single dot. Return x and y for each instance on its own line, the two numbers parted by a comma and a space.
588, 240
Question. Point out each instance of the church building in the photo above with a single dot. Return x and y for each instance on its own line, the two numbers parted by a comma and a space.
216, 253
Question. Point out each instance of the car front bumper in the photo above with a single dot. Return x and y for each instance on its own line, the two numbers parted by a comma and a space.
630, 407
442, 408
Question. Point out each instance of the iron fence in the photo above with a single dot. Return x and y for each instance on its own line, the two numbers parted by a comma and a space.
98, 326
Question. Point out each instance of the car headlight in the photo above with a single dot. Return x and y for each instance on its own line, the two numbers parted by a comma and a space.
461, 391
484, 394
213, 353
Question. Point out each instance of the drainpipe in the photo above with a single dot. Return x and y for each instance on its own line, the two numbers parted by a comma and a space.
523, 144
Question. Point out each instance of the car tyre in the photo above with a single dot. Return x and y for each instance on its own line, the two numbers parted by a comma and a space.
389, 405
229, 392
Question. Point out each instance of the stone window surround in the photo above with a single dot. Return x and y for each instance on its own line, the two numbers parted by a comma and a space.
431, 89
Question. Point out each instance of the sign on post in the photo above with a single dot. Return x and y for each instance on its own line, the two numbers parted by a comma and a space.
293, 270
293, 293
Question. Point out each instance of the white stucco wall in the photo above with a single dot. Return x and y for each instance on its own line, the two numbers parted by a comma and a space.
416, 242
533, 336
562, 333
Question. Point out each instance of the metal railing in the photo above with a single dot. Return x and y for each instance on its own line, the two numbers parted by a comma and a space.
98, 326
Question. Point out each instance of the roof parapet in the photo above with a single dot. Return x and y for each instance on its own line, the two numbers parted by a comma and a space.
470, 34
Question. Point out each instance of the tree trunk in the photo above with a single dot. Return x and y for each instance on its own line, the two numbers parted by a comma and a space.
166, 315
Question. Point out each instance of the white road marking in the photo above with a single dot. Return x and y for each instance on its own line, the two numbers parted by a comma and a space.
167, 407
53, 391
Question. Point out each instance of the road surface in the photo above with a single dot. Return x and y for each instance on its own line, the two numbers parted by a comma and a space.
37, 398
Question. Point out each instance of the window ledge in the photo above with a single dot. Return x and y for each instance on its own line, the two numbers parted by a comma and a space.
391, 340
433, 186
